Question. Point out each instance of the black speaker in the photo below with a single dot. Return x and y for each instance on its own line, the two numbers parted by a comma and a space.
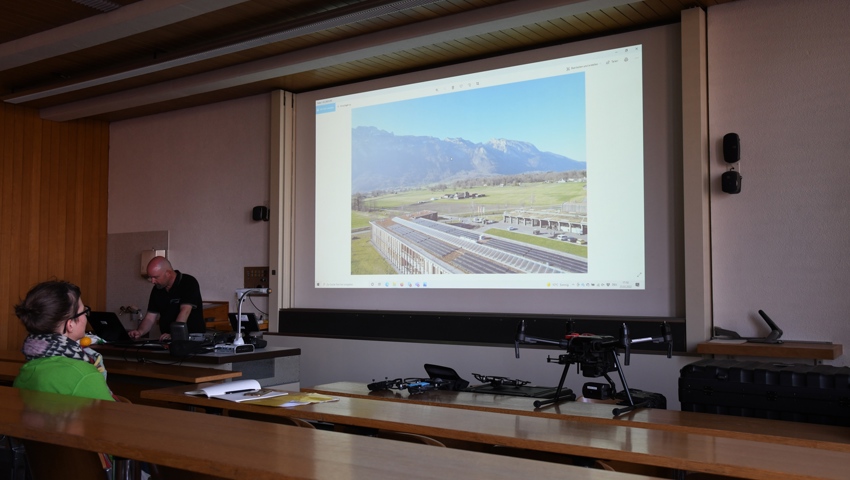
731, 147
179, 331
731, 182
260, 213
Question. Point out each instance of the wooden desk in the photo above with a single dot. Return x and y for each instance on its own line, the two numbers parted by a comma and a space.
215, 358
241, 449
269, 366
632, 444
757, 429
175, 373
8, 371
794, 350
215, 316
128, 378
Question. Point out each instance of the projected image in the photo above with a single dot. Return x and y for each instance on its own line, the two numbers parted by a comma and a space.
457, 181
472, 180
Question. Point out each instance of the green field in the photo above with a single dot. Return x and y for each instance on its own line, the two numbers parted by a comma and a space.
550, 243
365, 260
361, 219
509, 196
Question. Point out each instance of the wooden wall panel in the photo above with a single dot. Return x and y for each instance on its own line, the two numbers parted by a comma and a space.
53, 209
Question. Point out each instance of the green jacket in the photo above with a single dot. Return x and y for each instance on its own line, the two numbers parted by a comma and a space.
63, 375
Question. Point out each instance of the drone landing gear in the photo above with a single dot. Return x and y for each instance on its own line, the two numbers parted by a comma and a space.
559, 398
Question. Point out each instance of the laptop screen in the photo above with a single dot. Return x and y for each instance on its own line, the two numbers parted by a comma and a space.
108, 326
249, 322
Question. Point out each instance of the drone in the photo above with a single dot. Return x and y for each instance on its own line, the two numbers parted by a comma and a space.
596, 356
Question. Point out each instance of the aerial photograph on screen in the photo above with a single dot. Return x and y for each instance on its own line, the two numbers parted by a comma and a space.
472, 180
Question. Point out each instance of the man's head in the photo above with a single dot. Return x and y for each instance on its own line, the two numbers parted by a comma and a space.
160, 273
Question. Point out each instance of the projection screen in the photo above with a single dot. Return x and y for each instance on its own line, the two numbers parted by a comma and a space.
545, 182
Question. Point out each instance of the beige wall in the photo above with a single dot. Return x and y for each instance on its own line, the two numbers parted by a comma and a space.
778, 76
197, 174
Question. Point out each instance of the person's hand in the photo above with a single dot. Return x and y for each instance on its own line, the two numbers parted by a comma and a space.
134, 334
164, 337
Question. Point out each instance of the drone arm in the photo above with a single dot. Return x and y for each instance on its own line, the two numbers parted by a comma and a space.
665, 337
521, 337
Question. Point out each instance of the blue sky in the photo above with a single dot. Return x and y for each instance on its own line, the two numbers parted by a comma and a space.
547, 112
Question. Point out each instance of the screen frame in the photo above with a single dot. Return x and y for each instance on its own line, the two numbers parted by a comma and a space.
665, 258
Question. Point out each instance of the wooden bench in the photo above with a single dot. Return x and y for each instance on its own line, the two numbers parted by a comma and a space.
634, 444
238, 449
757, 429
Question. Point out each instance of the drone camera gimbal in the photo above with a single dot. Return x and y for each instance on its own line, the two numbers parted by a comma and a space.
595, 356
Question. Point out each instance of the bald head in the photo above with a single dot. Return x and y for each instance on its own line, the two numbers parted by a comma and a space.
160, 272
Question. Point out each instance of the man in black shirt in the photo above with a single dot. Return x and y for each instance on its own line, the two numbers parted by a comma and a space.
176, 297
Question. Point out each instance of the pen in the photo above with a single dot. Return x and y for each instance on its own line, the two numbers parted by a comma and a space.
240, 391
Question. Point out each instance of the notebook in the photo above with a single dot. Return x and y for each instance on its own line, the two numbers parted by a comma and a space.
108, 326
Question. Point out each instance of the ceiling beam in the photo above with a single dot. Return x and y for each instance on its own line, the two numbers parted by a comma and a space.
368, 13
103, 28
462, 25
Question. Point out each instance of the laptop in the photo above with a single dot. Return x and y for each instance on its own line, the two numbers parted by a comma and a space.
108, 326
249, 322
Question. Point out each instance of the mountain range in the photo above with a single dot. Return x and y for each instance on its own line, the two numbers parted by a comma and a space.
382, 160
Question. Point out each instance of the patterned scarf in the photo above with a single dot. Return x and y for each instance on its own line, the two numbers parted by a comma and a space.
56, 345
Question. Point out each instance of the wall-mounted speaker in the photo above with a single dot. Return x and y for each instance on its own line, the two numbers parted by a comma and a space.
260, 213
730, 182
731, 147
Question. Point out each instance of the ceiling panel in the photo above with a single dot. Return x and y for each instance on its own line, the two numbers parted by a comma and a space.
150, 56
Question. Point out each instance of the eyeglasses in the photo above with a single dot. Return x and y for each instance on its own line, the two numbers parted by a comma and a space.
86, 311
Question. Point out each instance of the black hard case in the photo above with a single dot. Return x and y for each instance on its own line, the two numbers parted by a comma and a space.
800, 393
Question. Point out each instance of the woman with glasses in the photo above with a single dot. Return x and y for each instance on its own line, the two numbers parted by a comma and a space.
55, 317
